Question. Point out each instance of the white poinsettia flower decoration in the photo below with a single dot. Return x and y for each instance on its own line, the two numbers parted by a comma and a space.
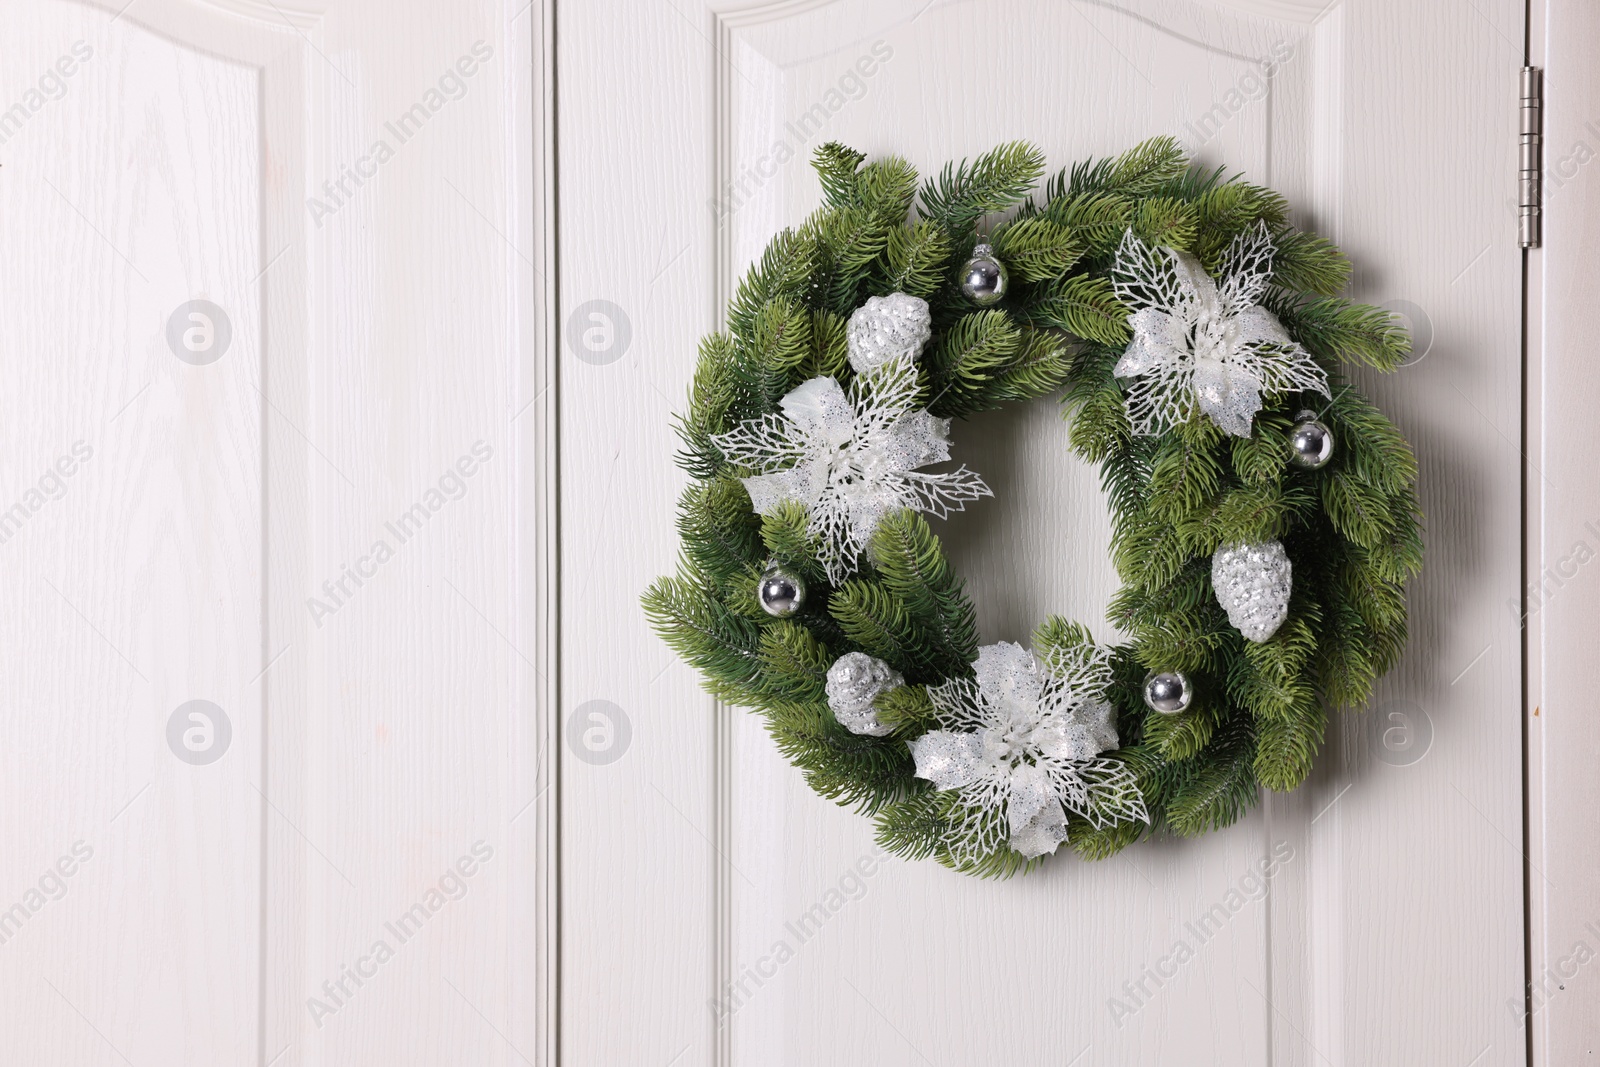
1196, 340
1022, 742
851, 457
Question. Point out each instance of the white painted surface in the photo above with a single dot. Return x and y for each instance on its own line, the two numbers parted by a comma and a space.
387, 340
1394, 933
371, 352
1564, 541
137, 588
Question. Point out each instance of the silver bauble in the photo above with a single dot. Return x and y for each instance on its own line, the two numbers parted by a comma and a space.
1310, 442
781, 592
983, 279
1167, 692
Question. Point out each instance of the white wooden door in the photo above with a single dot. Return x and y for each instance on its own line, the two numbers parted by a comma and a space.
330, 730
1391, 927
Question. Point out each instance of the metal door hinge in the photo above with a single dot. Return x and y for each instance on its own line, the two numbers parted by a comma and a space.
1530, 185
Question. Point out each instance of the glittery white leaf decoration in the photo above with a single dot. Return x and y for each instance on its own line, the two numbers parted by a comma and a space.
887, 328
1196, 340
851, 458
1253, 584
1020, 742
854, 682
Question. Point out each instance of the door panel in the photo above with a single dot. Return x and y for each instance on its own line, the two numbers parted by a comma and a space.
1563, 524
133, 550
317, 507
693, 855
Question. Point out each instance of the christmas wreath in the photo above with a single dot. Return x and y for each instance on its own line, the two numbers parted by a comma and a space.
1265, 517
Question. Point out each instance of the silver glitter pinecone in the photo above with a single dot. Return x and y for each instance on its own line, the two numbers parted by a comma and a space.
1253, 584
1168, 693
886, 328
854, 682
781, 593
983, 279
1310, 442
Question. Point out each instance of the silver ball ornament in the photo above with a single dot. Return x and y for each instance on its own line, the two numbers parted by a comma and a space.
1310, 442
1168, 693
781, 593
983, 279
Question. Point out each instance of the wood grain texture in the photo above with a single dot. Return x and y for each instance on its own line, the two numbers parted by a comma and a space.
1564, 535
425, 729
376, 343
391, 732
637, 847
138, 586
1393, 933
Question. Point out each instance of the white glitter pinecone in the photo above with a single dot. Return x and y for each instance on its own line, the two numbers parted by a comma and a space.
1253, 584
887, 328
854, 682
